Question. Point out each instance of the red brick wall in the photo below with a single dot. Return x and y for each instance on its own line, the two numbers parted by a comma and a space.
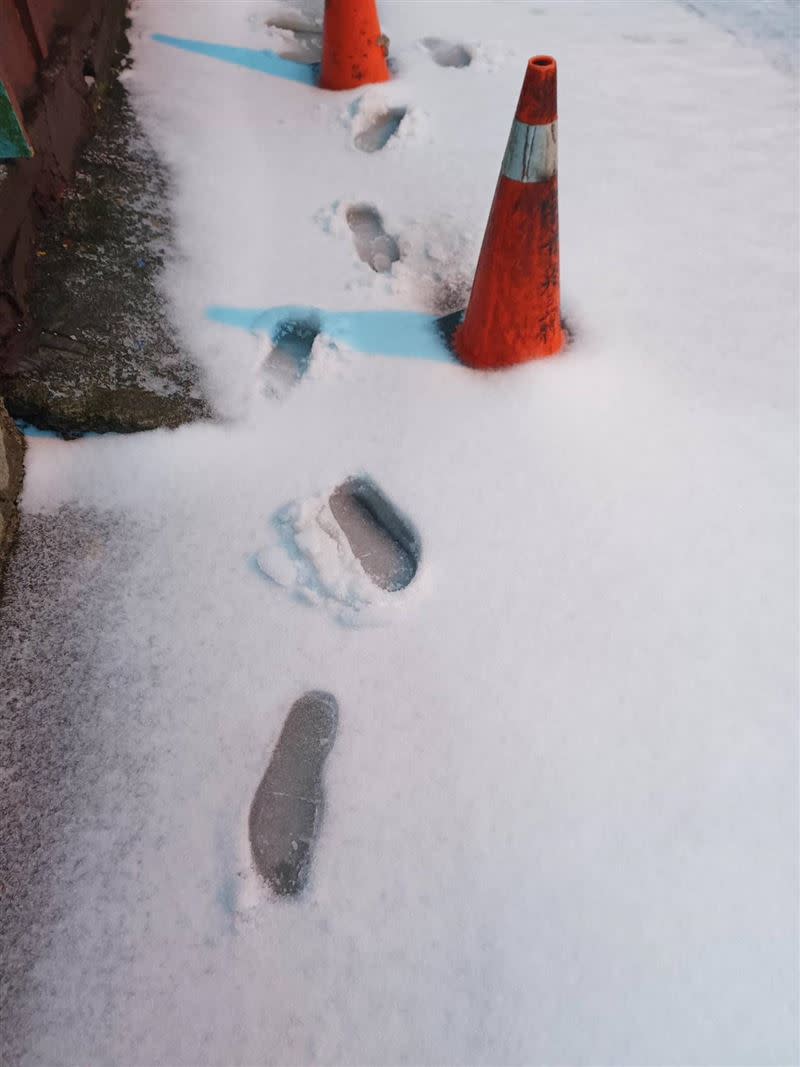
46, 47
43, 19
18, 59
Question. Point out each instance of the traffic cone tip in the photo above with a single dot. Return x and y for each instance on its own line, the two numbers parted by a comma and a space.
537, 101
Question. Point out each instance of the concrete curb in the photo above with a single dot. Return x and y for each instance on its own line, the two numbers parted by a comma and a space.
12, 451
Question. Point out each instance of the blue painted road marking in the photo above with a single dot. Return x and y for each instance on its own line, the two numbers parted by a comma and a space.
33, 431
409, 334
29, 430
250, 58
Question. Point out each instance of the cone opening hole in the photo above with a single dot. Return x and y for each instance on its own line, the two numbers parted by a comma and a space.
542, 61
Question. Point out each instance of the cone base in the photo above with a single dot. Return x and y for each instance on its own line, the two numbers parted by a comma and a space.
514, 311
337, 83
488, 357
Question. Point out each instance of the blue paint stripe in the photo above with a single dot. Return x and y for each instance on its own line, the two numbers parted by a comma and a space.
250, 58
33, 431
29, 430
408, 334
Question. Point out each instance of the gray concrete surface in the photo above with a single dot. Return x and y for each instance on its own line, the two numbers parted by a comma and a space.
59, 746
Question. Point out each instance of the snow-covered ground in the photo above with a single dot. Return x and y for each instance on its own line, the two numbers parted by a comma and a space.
561, 809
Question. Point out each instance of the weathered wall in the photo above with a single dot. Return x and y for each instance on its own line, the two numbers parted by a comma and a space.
11, 453
53, 56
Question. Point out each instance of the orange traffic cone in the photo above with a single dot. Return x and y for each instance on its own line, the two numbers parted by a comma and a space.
353, 48
514, 312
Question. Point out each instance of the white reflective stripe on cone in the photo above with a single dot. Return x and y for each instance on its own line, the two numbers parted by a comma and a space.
532, 152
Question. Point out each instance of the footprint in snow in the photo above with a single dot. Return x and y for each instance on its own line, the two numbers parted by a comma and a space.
379, 129
381, 539
447, 53
286, 813
298, 36
290, 356
373, 244
350, 551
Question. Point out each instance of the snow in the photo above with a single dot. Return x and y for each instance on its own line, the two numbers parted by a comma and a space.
310, 554
772, 25
561, 809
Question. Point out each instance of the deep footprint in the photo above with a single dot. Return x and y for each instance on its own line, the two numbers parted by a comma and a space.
286, 813
380, 130
373, 244
303, 40
290, 356
383, 542
447, 54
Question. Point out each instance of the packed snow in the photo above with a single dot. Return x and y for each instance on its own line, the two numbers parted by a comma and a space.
561, 807
310, 554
